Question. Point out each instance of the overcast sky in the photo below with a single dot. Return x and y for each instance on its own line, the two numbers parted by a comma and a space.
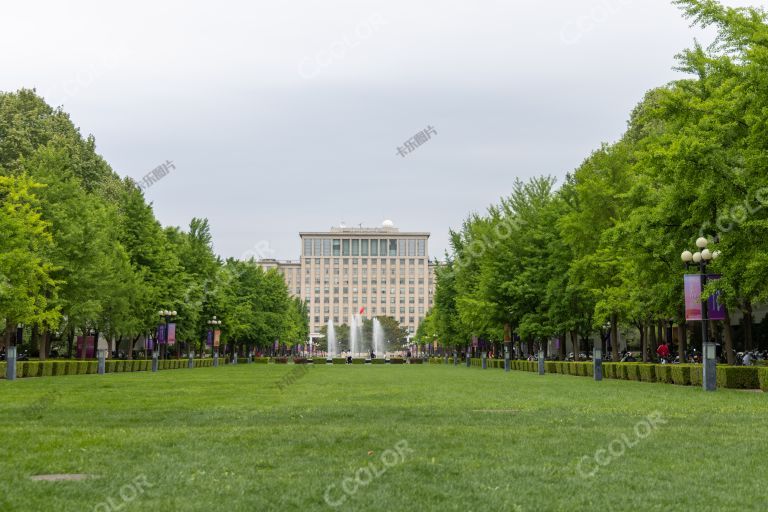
282, 117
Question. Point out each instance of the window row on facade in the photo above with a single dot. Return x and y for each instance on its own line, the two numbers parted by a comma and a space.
392, 247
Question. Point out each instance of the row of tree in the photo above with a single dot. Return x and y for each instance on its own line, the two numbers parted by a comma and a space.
81, 250
603, 249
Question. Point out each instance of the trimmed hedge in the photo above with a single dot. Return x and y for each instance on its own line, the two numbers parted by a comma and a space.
647, 372
681, 375
697, 375
397, 361
738, 377
762, 377
664, 373
265, 360
632, 371
3, 369
378, 361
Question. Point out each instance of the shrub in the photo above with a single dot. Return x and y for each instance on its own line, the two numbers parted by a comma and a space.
647, 372
378, 361
550, 366
681, 374
697, 375
110, 367
46, 369
33, 369
762, 377
609, 370
590, 367
21, 369
82, 367
738, 377
3, 369
397, 361
265, 360
633, 371
664, 373
93, 367
284, 360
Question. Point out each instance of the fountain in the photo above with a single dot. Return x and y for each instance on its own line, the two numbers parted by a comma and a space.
331, 341
378, 339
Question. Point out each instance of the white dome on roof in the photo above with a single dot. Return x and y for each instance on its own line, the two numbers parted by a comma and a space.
388, 224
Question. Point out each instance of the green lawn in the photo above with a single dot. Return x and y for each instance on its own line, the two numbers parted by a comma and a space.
452, 438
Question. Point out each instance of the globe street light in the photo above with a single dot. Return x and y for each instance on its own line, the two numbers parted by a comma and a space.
167, 316
213, 323
702, 258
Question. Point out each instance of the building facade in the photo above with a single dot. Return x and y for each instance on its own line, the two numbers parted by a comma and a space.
370, 271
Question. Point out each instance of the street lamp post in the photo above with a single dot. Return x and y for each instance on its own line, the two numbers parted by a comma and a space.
213, 323
11, 353
702, 258
167, 316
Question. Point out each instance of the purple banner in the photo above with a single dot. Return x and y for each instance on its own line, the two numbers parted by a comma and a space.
715, 309
161, 334
171, 334
209, 341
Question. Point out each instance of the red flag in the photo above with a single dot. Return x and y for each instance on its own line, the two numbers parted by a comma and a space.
362, 310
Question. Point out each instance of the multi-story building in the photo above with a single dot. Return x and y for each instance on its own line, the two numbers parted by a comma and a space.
371, 271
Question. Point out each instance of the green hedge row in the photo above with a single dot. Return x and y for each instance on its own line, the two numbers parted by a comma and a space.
733, 377
56, 368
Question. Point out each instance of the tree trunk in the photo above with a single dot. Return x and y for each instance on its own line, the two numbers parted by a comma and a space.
643, 346
615, 337
682, 334
36, 339
653, 343
659, 334
70, 341
561, 346
728, 332
575, 344
45, 344
747, 323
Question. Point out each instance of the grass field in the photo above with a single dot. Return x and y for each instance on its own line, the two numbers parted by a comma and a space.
417, 437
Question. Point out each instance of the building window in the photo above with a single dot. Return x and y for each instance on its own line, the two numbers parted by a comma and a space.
392, 247
422, 248
364, 247
411, 248
345, 247
336, 247
355, 247
374, 247
307, 247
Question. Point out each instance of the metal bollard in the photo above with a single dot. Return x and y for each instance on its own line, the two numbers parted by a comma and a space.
485, 357
10, 357
155, 364
541, 362
597, 361
191, 361
102, 356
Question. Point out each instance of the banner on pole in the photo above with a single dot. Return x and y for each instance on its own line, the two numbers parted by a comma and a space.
171, 334
693, 291
216, 338
209, 340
